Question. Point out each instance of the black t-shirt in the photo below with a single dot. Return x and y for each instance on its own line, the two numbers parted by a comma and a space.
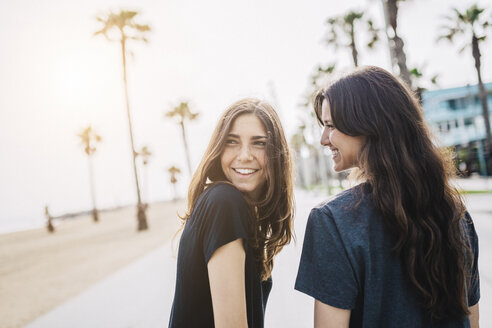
220, 216
347, 262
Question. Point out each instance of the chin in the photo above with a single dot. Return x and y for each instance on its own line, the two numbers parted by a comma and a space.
247, 190
337, 169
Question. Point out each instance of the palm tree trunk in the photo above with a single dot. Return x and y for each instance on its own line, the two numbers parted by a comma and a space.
141, 216
175, 191
146, 184
49, 223
95, 215
483, 96
188, 162
398, 57
300, 168
355, 54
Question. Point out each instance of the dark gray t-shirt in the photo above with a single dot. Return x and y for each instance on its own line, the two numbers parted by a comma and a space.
347, 263
220, 216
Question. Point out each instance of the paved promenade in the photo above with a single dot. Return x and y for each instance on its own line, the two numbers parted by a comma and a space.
140, 295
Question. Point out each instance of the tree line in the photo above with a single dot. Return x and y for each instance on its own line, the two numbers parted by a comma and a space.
344, 31
471, 26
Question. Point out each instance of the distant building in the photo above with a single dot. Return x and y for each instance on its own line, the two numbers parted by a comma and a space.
455, 115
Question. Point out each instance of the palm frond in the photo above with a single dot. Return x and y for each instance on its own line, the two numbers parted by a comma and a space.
459, 15
463, 48
374, 32
174, 170
142, 28
481, 38
88, 139
123, 22
415, 72
352, 16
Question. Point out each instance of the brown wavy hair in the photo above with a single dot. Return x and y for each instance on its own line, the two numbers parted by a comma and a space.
272, 214
410, 184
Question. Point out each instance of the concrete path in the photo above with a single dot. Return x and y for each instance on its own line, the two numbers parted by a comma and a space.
140, 295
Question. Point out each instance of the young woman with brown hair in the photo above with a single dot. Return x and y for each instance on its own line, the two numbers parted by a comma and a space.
399, 249
240, 209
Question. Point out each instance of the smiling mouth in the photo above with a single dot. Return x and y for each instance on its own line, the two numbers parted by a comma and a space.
335, 152
245, 171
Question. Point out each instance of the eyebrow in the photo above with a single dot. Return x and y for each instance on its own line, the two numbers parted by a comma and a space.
253, 138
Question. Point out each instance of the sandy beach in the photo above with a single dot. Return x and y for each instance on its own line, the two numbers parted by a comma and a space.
39, 271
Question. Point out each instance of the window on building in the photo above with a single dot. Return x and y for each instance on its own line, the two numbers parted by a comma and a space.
477, 99
443, 127
468, 121
457, 103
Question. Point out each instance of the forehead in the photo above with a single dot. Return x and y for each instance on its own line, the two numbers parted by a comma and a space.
325, 110
248, 124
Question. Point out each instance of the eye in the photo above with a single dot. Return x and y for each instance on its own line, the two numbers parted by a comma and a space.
231, 142
329, 126
259, 143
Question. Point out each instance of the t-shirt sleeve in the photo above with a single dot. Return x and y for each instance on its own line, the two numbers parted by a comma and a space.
225, 219
325, 271
474, 288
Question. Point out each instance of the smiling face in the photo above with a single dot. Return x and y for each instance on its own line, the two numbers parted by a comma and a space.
244, 154
345, 149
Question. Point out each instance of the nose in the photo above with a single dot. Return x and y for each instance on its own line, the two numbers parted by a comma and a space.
245, 154
325, 138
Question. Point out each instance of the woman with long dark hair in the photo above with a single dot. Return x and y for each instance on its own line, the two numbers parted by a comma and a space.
399, 249
240, 210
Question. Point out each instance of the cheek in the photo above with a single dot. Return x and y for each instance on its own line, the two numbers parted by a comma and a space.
333, 136
260, 157
356, 147
225, 158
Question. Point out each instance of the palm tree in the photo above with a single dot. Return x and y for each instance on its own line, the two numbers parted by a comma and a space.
173, 170
321, 75
89, 138
472, 25
182, 112
398, 56
346, 25
49, 220
145, 154
297, 142
319, 78
419, 81
127, 29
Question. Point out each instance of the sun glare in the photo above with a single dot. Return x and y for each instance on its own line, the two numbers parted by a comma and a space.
83, 78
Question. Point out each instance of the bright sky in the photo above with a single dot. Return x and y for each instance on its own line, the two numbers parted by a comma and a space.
56, 78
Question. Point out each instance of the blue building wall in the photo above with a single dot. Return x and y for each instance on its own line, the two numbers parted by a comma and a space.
455, 114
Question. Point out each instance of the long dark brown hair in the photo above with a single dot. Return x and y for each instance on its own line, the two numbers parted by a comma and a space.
410, 183
272, 214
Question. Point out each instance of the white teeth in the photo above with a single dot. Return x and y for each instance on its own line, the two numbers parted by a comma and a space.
334, 152
245, 171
